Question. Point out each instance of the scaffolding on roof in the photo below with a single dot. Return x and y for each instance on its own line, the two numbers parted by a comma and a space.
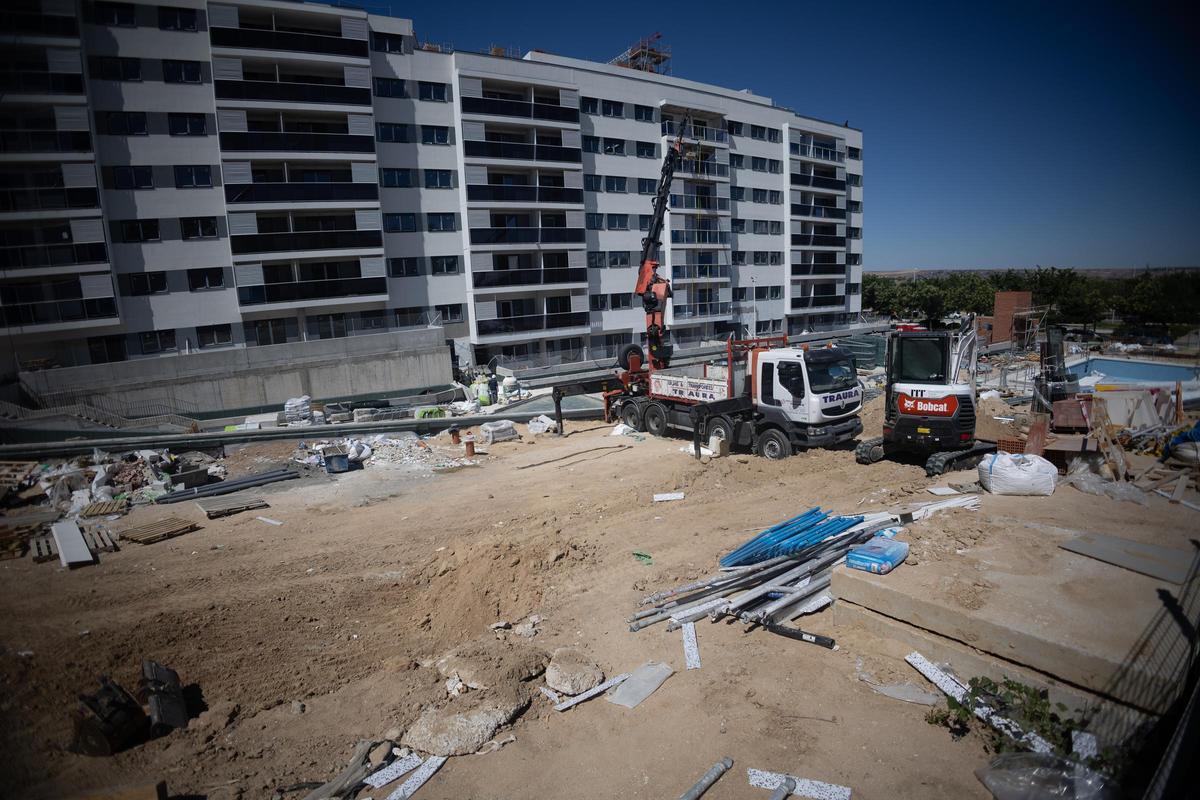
647, 54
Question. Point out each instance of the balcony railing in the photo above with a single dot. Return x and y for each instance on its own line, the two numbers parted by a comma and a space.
38, 24
307, 240
819, 301
528, 277
684, 272
700, 202
694, 310
33, 256
690, 236
284, 40
51, 312
318, 142
710, 168
817, 240
45, 142
524, 152
816, 181
523, 194
48, 199
518, 108
820, 212
670, 128
30, 82
299, 192
526, 235
534, 322
293, 92
814, 151
804, 270
310, 290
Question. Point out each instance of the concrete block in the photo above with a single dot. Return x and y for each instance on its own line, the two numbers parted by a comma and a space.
572, 672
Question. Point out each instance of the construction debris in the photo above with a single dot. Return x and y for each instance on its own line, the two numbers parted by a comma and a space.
72, 549
157, 531
802, 787
215, 507
708, 779
571, 672
642, 683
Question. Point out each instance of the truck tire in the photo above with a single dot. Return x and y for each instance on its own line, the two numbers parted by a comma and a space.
631, 415
773, 444
721, 427
655, 419
627, 351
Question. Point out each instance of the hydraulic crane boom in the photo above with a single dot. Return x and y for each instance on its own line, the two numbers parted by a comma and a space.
652, 287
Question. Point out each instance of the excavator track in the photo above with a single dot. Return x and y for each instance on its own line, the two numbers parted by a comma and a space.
869, 451
949, 460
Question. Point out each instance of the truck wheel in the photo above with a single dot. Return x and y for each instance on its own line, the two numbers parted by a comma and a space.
773, 444
655, 419
627, 351
631, 415
720, 427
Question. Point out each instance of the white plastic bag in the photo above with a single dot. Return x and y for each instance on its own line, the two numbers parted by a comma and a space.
1006, 473
1081, 476
499, 431
541, 424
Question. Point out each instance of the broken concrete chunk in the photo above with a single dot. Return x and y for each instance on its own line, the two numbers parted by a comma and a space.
448, 731
490, 662
572, 672
526, 629
502, 625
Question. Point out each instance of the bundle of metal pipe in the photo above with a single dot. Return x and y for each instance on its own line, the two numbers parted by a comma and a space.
790, 536
230, 486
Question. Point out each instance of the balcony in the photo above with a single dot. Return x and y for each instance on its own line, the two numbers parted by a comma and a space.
697, 236
698, 310
498, 193
535, 322
310, 290
706, 168
817, 182
306, 240
299, 192
523, 152
699, 202
330, 94
251, 38
817, 240
53, 312
50, 199
819, 212
290, 141
670, 128
518, 108
30, 24
528, 277
527, 235
806, 270
692, 272
819, 301
31, 82
45, 142
814, 151
34, 256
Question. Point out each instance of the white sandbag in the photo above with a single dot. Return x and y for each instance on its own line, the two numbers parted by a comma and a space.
1008, 473
541, 424
499, 431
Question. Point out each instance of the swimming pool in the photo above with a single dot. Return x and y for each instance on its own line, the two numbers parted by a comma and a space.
1135, 371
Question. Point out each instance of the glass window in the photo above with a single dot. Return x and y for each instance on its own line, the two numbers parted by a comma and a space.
207, 278
597, 259
759, 195
187, 124
620, 301
760, 260
736, 161
775, 166
758, 132
181, 71
647, 186
450, 313
644, 222
737, 225
831, 374
443, 265
112, 68
133, 177
438, 179
643, 113
390, 87
775, 228
409, 267
618, 258
614, 183
919, 359
440, 222
157, 341
391, 132
214, 335
738, 258
598, 302
773, 135
618, 222
737, 193
395, 178
775, 197
767, 393
593, 183
435, 134
614, 147
594, 222
431, 91
193, 176
646, 150
176, 19
589, 105
198, 227
735, 128
139, 230
758, 164
387, 42
612, 108
591, 144
399, 223
118, 14
145, 283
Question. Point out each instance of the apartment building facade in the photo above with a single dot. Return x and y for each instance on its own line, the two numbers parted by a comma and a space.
188, 175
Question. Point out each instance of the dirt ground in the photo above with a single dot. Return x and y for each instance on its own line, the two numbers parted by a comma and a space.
376, 573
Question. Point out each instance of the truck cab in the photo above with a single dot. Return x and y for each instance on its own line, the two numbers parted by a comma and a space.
810, 396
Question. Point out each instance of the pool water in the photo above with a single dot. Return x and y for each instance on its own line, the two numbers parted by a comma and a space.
1135, 371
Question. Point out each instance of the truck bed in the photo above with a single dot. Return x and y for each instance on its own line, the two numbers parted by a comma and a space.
688, 389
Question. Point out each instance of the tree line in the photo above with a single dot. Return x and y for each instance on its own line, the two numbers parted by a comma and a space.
1149, 298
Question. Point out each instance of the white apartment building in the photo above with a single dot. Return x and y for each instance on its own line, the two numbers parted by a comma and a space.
192, 175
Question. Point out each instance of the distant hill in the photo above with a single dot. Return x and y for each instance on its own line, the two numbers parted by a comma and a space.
1099, 272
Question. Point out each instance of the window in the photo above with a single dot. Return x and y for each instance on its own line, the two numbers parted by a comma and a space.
767, 392
187, 124
214, 335
853, 180
270, 331
646, 150
118, 14
198, 227
618, 222
392, 178
387, 42
591, 144
157, 342
598, 302
775, 198
619, 301
589, 105
181, 71
612, 108
409, 267
774, 292
760, 225
438, 179
737, 193
193, 176
740, 294
106, 349
736, 161
139, 230
443, 265
207, 278
854, 206
776, 258
854, 153
735, 128
737, 225
918, 360
440, 222
399, 223
758, 164
647, 186
775, 228
614, 184
773, 135
594, 222
738, 258
597, 259
112, 68
775, 165
614, 147
145, 283
644, 222
431, 91
374, 320
760, 258
643, 113
758, 132
618, 258
593, 183
435, 134
450, 313
133, 178
176, 19
759, 195
391, 132
390, 87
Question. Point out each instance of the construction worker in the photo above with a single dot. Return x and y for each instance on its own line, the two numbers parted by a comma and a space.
493, 388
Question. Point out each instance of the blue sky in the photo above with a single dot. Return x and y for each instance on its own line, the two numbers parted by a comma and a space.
995, 134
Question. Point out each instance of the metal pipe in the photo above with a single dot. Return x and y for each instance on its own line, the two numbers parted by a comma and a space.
792, 600
783, 790
228, 487
718, 769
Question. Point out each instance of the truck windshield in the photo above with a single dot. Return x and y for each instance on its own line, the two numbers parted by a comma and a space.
831, 376
919, 359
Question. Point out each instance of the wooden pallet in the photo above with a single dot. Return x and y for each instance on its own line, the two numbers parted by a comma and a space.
99, 540
225, 505
43, 548
105, 508
157, 531
13, 472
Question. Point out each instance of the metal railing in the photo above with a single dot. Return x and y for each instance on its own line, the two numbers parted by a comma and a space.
816, 151
292, 92
51, 312
494, 106
819, 212
284, 40
32, 256
91, 413
45, 141
48, 199
815, 270
38, 24
700, 202
817, 181
695, 310
698, 236
706, 134
525, 235
528, 277
817, 240
31, 82
308, 240
310, 290
522, 151
534, 322
684, 272
299, 192
820, 301
523, 194
297, 141
691, 167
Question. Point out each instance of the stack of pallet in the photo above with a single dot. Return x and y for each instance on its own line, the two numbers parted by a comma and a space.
1172, 483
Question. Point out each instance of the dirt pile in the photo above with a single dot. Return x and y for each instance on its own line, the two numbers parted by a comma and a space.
945, 535
991, 429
